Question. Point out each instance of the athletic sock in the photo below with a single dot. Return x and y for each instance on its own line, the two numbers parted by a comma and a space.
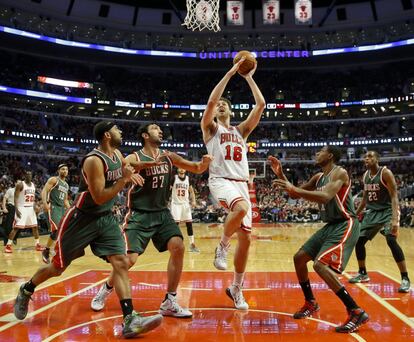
225, 241
362, 270
29, 286
346, 299
307, 290
238, 279
126, 306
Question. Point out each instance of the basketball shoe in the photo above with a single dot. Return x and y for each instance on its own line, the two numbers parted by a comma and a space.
39, 247
356, 318
98, 302
194, 249
135, 324
360, 278
46, 255
405, 286
220, 259
21, 305
236, 294
170, 307
307, 309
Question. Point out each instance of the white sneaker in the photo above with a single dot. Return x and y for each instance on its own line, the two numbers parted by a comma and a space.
170, 307
220, 259
236, 294
98, 302
194, 249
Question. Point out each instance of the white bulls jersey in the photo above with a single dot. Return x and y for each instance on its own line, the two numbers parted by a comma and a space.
229, 150
27, 196
180, 190
25, 204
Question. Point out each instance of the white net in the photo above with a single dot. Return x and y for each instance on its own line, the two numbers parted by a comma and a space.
202, 14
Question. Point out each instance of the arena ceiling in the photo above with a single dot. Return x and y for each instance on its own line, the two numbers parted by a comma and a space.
249, 4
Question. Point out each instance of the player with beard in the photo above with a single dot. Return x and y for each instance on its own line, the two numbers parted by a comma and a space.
90, 222
149, 218
332, 245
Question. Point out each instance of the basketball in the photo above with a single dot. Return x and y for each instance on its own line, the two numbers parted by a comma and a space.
248, 63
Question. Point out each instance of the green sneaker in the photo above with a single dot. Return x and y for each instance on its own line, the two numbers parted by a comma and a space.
360, 278
405, 286
135, 324
21, 305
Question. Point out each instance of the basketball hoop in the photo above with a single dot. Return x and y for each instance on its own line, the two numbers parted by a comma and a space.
202, 14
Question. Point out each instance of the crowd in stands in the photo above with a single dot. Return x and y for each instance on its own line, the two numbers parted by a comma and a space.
274, 205
185, 87
79, 127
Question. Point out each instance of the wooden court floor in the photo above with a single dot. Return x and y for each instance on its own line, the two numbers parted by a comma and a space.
61, 311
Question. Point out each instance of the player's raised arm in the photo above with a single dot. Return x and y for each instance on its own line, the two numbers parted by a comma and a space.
248, 125
190, 166
339, 178
207, 121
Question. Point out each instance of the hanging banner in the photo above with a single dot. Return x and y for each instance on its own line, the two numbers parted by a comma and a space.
235, 13
303, 12
271, 11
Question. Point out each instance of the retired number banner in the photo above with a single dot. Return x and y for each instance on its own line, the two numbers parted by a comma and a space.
235, 13
271, 11
303, 12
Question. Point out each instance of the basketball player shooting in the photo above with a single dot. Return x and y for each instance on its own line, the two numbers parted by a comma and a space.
229, 174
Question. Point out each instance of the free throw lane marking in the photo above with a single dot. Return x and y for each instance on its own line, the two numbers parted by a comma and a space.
384, 303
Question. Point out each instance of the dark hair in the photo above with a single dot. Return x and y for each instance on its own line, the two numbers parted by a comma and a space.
336, 152
227, 101
101, 128
143, 129
376, 154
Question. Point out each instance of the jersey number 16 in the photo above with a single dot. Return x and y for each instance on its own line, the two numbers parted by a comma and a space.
237, 153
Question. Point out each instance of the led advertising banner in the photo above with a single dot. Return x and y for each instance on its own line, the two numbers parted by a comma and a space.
64, 83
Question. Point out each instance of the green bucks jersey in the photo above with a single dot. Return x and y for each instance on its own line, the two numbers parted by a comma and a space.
339, 208
112, 172
155, 193
58, 193
378, 197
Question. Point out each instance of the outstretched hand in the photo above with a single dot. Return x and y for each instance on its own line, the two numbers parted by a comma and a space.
129, 175
251, 72
236, 67
276, 166
286, 186
206, 159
